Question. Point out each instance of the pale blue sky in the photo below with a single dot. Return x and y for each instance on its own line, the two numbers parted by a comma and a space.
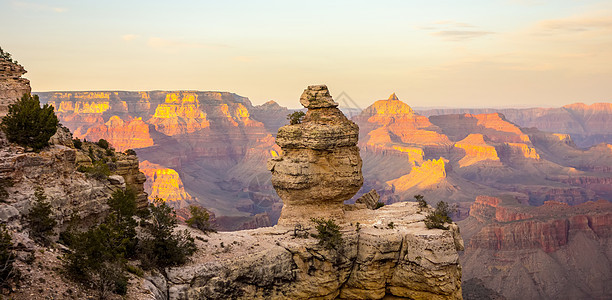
431, 53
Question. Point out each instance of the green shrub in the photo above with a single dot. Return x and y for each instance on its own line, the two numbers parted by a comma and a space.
77, 143
8, 273
439, 216
40, 219
99, 254
100, 170
135, 270
29, 125
161, 247
296, 117
420, 199
379, 205
328, 233
103, 144
199, 219
6, 56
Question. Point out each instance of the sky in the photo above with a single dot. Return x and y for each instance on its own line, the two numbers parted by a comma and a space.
508, 53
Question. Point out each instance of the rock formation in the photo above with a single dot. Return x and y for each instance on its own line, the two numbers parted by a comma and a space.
12, 85
320, 166
386, 253
163, 182
548, 252
130, 134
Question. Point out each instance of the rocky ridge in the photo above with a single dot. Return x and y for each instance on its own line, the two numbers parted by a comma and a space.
12, 85
386, 253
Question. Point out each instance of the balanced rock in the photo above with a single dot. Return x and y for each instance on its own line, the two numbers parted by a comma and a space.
320, 166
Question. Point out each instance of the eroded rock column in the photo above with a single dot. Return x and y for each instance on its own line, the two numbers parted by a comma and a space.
320, 166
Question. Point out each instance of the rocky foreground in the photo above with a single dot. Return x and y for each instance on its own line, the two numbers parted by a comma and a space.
386, 253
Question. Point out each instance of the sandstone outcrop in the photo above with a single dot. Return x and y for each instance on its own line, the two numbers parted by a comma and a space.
320, 166
547, 252
163, 182
476, 149
123, 135
389, 254
12, 85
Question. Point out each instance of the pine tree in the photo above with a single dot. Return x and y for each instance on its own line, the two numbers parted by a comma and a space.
29, 125
40, 218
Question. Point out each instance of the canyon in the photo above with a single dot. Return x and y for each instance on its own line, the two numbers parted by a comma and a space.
218, 142
551, 251
587, 125
213, 152
383, 253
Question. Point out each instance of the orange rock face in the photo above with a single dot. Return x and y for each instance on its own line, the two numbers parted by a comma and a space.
179, 114
393, 121
427, 175
476, 149
163, 182
122, 135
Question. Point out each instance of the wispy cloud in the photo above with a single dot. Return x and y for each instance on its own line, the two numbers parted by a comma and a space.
454, 31
157, 42
129, 37
574, 24
460, 35
37, 6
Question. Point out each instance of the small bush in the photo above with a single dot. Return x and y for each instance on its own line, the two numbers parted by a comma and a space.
328, 233
439, 216
130, 152
390, 225
420, 199
103, 144
296, 117
379, 205
199, 219
135, 270
110, 152
77, 143
161, 247
100, 170
8, 273
40, 219
29, 125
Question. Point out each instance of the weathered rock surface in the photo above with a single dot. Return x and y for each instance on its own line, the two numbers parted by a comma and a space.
548, 252
53, 170
12, 85
320, 166
389, 253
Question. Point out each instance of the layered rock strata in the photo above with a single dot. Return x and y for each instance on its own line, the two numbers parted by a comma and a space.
553, 251
320, 166
386, 253
12, 86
